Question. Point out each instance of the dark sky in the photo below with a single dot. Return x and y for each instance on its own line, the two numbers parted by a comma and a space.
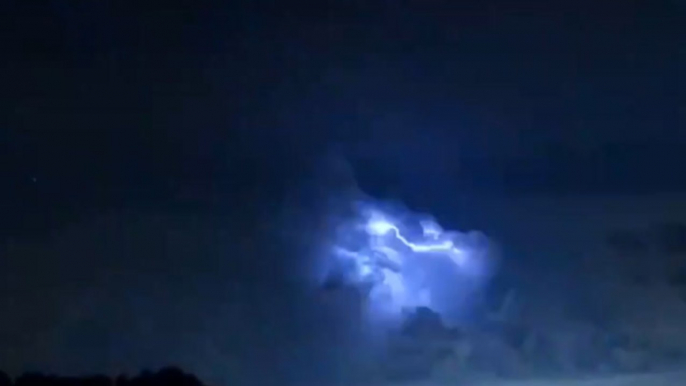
126, 100
196, 108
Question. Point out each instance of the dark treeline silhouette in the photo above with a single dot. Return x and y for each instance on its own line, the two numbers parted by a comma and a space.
169, 376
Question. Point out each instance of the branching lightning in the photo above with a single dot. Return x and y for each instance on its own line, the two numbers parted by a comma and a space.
379, 226
391, 260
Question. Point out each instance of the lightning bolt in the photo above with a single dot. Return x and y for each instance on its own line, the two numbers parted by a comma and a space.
378, 225
386, 251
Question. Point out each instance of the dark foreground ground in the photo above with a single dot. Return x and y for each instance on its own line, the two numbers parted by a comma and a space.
175, 377
169, 376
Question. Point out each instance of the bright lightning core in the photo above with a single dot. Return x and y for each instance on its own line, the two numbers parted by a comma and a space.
432, 232
401, 268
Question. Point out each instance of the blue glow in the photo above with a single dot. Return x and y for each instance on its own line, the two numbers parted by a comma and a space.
377, 225
399, 263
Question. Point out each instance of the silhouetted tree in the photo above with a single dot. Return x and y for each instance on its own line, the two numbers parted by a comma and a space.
169, 376
5, 379
121, 380
173, 376
33, 379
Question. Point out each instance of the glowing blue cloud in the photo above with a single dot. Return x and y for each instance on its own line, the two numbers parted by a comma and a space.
399, 267
378, 225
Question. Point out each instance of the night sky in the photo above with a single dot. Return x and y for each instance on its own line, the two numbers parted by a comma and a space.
149, 153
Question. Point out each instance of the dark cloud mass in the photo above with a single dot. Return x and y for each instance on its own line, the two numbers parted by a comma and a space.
169, 171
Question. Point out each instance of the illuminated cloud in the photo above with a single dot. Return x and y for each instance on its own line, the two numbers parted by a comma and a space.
404, 263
